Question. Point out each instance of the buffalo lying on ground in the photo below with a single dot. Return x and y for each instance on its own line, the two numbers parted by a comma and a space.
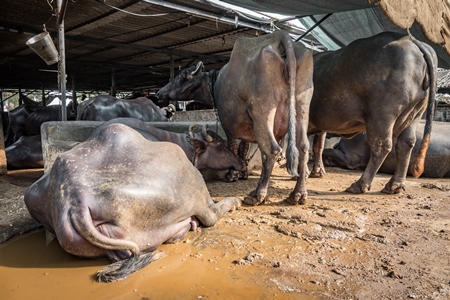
105, 108
205, 149
380, 85
25, 153
260, 95
121, 195
354, 153
27, 119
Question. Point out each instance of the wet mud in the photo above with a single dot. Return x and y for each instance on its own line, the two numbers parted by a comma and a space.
336, 246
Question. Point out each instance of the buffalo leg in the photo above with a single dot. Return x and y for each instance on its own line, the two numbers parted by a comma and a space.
267, 143
318, 170
232, 175
379, 149
299, 195
403, 149
210, 214
242, 152
260, 195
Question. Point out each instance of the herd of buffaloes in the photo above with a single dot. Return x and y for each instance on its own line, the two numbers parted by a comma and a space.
377, 93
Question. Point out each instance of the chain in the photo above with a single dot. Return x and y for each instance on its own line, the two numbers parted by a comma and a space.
194, 159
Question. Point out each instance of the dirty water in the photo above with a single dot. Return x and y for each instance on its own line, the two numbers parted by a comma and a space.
30, 269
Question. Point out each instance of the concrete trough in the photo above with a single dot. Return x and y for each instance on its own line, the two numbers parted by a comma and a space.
58, 137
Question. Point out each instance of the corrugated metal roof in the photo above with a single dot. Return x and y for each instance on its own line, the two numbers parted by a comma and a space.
100, 38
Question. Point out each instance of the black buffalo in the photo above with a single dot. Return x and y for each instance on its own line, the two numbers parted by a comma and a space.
25, 153
354, 153
27, 119
380, 85
121, 195
104, 108
260, 95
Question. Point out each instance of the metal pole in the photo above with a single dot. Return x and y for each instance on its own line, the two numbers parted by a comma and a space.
74, 93
62, 58
172, 67
209, 15
113, 82
312, 28
43, 95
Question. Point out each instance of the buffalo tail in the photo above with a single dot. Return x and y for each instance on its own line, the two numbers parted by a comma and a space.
122, 269
82, 222
292, 154
418, 167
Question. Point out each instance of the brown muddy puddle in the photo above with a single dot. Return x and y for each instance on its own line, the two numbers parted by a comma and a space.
30, 269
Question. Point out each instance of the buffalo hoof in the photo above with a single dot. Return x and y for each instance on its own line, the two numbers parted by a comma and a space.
235, 202
254, 198
317, 173
357, 188
243, 174
232, 175
295, 198
393, 188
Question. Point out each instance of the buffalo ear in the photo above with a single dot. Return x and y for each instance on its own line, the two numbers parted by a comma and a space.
199, 146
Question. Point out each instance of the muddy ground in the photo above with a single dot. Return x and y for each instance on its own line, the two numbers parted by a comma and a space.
336, 246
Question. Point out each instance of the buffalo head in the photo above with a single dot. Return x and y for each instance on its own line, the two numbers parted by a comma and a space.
211, 151
189, 84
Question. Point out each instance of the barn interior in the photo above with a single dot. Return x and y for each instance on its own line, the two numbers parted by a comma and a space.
125, 46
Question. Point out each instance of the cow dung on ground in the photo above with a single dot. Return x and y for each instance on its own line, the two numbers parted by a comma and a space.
336, 246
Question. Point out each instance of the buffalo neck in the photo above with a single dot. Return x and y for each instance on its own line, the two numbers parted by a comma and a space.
212, 77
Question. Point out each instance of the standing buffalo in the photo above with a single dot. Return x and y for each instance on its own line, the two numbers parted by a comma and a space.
354, 153
104, 108
205, 150
380, 85
260, 95
120, 195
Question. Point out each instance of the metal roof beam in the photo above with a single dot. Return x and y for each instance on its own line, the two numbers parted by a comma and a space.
209, 15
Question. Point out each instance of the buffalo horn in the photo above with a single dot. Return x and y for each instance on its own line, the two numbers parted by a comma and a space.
206, 136
199, 66
193, 127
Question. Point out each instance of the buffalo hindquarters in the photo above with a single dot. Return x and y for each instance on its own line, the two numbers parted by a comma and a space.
120, 195
380, 85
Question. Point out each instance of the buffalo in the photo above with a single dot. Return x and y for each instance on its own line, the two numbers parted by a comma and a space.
205, 149
261, 94
25, 153
105, 108
27, 119
380, 85
354, 153
121, 195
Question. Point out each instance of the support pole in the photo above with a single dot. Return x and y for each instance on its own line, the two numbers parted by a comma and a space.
43, 95
74, 96
3, 169
20, 97
113, 82
61, 9
172, 67
2, 106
